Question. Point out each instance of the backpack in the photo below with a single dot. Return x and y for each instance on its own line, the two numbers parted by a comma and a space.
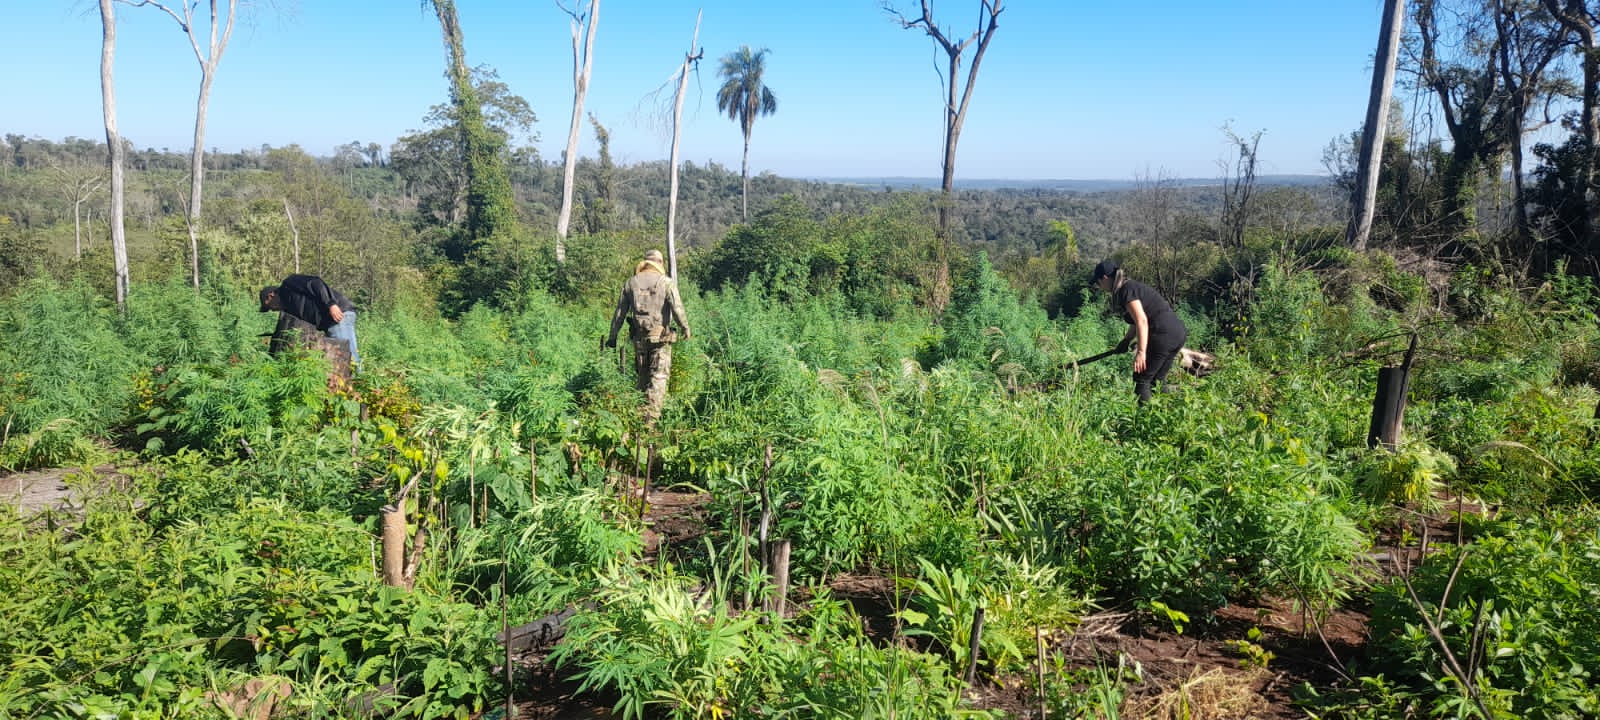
648, 318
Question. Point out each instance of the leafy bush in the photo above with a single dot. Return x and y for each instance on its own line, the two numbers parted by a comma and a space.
986, 324
239, 404
661, 646
1516, 617
117, 620
65, 374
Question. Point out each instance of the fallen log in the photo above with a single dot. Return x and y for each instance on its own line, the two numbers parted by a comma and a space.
541, 633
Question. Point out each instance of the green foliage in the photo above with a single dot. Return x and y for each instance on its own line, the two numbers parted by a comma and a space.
1411, 474
946, 604
18, 250
985, 472
987, 324
869, 259
661, 647
116, 619
61, 358
1516, 616
238, 404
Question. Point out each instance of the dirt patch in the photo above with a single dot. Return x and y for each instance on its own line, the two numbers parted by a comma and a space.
1248, 660
61, 490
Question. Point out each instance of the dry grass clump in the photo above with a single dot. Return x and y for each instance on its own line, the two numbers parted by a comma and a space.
1214, 694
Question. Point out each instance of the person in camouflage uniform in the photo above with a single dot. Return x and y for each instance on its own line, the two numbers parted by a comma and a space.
651, 305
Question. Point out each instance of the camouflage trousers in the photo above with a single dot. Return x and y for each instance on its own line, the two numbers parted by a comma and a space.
652, 364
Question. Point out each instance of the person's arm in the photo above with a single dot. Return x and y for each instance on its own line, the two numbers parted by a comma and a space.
618, 315
1127, 339
676, 301
1141, 325
317, 290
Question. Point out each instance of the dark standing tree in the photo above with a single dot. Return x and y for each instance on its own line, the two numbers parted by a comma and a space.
433, 162
1372, 134
490, 243
208, 57
108, 99
744, 96
957, 97
1578, 20
582, 65
1238, 186
1485, 61
601, 205
1529, 40
489, 202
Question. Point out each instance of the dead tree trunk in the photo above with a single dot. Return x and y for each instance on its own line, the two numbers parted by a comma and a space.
294, 232
689, 59
955, 114
1577, 19
1373, 134
108, 98
582, 65
208, 57
1389, 404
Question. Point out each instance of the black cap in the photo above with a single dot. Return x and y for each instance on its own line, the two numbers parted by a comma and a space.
1106, 268
264, 293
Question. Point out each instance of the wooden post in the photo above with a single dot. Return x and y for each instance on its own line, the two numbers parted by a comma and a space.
765, 523
1389, 403
780, 578
1038, 641
975, 641
394, 545
505, 631
744, 548
644, 486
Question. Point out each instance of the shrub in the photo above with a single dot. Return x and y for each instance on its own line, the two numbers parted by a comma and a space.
1517, 617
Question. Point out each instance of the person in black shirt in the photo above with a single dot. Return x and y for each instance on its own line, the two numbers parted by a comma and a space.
1156, 332
310, 299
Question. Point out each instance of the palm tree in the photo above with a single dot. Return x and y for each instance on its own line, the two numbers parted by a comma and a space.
743, 97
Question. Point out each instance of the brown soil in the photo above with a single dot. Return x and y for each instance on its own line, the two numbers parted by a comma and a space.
1197, 674
59, 490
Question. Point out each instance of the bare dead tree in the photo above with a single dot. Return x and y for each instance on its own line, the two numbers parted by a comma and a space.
115, 151
294, 232
1153, 204
78, 185
957, 98
1238, 185
691, 59
582, 65
183, 12
1365, 197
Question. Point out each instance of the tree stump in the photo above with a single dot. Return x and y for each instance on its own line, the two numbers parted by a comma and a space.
293, 333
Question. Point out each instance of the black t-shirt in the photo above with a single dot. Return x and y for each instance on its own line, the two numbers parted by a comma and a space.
1163, 321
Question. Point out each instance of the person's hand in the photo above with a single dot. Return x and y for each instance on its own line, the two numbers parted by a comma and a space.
610, 342
1122, 347
686, 333
1139, 363
335, 313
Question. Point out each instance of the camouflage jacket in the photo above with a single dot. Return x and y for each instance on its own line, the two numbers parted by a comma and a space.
649, 303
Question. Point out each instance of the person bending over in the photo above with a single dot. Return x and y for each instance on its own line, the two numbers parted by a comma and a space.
310, 299
1155, 332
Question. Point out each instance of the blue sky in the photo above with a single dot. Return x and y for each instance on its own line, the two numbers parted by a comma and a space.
1081, 90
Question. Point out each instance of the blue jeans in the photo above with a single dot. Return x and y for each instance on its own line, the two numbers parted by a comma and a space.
346, 331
